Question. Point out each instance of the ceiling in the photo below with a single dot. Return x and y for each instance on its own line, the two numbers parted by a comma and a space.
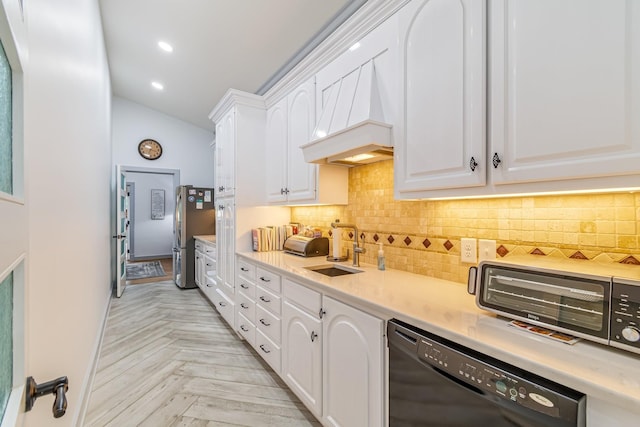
217, 45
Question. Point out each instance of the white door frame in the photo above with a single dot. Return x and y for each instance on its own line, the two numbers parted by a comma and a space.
127, 169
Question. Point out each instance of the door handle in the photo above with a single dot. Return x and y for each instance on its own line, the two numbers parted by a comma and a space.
59, 387
119, 236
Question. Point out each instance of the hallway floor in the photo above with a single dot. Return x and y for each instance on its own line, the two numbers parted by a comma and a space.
169, 359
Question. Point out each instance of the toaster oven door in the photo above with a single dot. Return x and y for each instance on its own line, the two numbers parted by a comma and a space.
574, 303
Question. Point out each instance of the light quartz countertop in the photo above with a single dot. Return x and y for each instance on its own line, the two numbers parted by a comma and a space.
446, 309
209, 238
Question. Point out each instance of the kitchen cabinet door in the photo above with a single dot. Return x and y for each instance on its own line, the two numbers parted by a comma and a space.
352, 367
301, 176
565, 89
199, 268
225, 242
276, 156
302, 355
441, 131
225, 154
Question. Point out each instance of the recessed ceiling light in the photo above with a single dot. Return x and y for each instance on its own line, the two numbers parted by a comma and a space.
157, 85
165, 46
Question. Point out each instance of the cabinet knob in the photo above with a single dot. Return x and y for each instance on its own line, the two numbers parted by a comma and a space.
496, 160
473, 164
313, 336
221, 188
243, 305
321, 313
282, 191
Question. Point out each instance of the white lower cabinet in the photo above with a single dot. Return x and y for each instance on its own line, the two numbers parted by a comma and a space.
302, 344
353, 369
331, 355
225, 306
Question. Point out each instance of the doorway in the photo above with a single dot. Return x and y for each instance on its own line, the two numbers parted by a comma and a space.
150, 233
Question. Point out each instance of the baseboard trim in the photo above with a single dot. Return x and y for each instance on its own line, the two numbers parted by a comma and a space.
87, 384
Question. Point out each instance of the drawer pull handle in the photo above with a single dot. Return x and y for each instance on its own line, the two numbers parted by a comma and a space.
264, 349
244, 269
209, 265
244, 328
313, 336
264, 323
265, 279
263, 299
473, 164
496, 160
209, 286
321, 313
221, 304
243, 286
243, 305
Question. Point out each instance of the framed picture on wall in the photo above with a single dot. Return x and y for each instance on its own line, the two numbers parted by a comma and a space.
157, 204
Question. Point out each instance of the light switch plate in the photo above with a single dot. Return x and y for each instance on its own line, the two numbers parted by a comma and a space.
468, 251
486, 249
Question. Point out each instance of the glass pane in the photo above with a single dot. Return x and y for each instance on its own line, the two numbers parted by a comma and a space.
6, 158
6, 342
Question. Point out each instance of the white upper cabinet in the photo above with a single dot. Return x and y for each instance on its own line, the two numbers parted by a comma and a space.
291, 180
565, 89
276, 140
301, 176
225, 155
442, 121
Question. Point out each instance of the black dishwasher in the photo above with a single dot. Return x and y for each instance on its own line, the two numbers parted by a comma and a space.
436, 382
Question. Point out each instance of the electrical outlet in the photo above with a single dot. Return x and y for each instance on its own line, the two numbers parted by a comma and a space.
468, 252
486, 249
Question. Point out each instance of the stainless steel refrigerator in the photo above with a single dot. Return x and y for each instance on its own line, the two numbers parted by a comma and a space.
194, 216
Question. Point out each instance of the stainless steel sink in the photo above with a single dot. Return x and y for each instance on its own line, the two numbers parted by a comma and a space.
333, 270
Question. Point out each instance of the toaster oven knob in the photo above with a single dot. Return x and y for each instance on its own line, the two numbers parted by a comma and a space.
631, 334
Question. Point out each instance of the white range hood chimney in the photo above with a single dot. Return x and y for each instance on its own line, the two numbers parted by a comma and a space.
351, 130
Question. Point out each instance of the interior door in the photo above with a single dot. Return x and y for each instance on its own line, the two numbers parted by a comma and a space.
121, 230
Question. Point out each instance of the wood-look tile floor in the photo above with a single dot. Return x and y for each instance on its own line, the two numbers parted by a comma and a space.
169, 359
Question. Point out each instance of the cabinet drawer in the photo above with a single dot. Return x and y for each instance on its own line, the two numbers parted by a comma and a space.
268, 300
246, 306
225, 307
269, 324
209, 266
246, 269
209, 250
268, 279
306, 298
268, 350
247, 287
247, 329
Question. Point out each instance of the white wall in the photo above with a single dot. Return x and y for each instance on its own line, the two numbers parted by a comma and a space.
153, 238
185, 147
67, 182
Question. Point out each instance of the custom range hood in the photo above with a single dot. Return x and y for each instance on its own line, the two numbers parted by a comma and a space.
351, 130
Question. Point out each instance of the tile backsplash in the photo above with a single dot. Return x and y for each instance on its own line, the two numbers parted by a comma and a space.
423, 237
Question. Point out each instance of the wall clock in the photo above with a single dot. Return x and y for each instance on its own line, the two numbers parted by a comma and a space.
150, 149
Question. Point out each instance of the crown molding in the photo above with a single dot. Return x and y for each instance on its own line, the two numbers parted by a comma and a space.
235, 97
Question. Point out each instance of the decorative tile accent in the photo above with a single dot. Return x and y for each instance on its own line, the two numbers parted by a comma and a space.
390, 239
537, 251
375, 237
407, 241
502, 251
630, 260
578, 255
448, 245
426, 243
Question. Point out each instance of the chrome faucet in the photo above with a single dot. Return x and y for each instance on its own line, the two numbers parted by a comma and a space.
357, 250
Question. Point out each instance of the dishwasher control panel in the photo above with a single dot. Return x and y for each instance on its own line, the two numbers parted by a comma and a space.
487, 378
